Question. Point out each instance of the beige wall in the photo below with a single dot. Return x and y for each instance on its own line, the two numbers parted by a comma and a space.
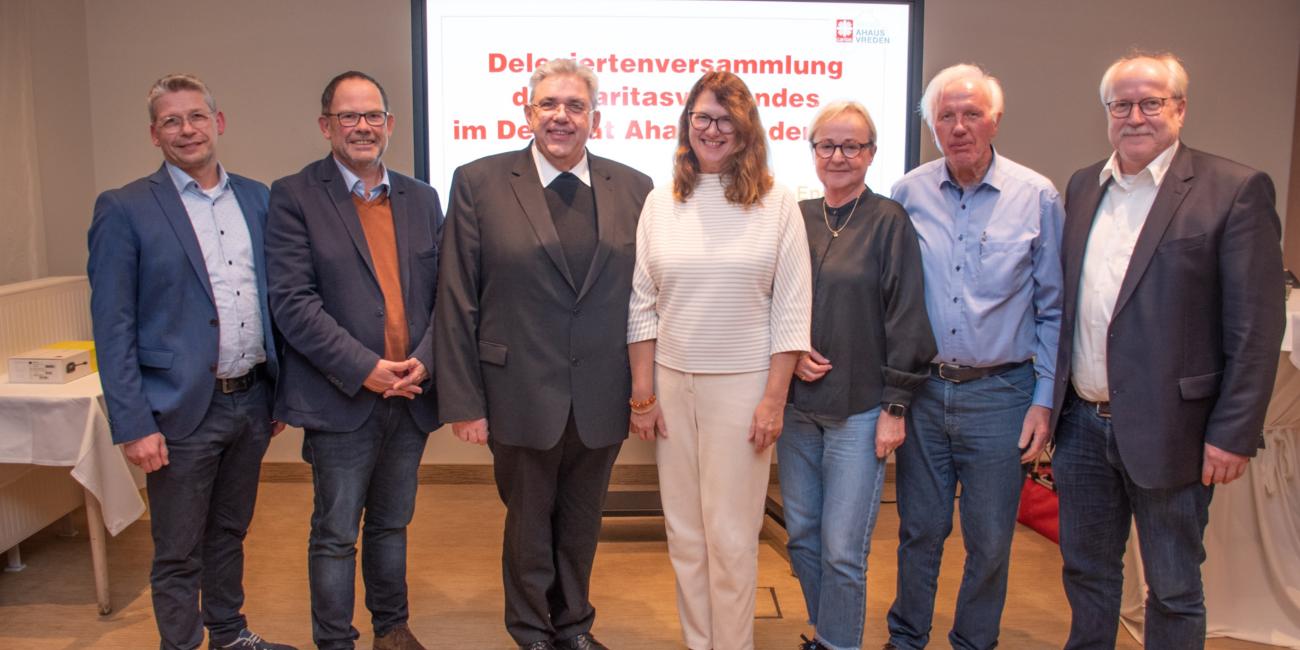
267, 61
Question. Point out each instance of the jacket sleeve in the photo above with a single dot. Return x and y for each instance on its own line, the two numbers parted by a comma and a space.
1253, 315
459, 380
114, 267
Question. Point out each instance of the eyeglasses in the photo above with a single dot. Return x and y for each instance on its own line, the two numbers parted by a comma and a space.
826, 148
549, 106
174, 123
349, 118
1150, 106
702, 122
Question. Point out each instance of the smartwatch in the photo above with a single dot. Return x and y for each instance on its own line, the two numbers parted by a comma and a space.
894, 408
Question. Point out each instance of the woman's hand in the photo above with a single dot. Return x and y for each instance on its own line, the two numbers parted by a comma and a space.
648, 425
812, 366
766, 425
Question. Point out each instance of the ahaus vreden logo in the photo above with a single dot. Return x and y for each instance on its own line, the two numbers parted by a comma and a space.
844, 30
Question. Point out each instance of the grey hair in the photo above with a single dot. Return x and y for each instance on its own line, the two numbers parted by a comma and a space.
959, 72
174, 83
1171, 64
836, 109
561, 67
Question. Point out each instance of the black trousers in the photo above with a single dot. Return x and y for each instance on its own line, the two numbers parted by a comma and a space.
200, 505
553, 503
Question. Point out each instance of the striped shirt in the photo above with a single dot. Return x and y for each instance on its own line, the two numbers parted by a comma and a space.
721, 287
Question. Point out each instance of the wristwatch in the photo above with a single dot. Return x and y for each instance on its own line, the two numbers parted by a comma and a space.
894, 408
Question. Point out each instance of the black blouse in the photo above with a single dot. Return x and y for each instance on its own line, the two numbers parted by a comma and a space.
869, 315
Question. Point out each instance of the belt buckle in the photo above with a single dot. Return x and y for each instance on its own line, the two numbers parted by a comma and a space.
1102, 409
944, 377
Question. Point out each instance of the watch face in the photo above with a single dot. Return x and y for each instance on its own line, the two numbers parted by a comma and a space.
896, 410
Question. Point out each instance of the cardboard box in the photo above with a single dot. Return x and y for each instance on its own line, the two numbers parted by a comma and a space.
48, 366
79, 345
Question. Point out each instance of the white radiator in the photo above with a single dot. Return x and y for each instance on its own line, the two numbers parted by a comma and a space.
33, 314
43, 311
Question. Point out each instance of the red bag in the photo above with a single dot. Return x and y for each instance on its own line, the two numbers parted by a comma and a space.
1039, 508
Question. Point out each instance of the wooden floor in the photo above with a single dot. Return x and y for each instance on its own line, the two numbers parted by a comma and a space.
454, 577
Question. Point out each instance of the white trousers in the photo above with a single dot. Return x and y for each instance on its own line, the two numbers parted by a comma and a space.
713, 486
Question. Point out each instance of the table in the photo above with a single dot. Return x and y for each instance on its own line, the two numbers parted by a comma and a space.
63, 425
1252, 543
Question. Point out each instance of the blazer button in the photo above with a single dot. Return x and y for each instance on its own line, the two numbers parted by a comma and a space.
575, 361
212, 368
213, 322
379, 313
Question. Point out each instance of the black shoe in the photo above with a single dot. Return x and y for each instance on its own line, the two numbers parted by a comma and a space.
583, 641
250, 641
538, 645
810, 644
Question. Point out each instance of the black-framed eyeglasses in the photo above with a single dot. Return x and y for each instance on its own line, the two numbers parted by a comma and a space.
550, 106
1150, 106
174, 123
702, 122
350, 118
850, 149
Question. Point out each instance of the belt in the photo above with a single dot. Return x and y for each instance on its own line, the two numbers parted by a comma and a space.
961, 374
241, 383
1101, 409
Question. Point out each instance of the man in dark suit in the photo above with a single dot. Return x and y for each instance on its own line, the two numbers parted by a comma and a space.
353, 259
532, 345
187, 360
1169, 340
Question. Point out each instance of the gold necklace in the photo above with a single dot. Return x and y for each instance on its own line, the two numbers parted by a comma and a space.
835, 232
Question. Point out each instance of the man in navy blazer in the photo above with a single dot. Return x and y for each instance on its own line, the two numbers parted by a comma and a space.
187, 360
1173, 316
352, 247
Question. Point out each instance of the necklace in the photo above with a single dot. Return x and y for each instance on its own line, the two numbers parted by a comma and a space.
835, 232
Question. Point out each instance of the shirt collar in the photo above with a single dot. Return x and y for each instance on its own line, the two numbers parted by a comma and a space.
357, 186
183, 181
1156, 168
547, 172
992, 176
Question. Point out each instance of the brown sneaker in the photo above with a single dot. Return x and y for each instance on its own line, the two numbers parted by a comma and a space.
398, 638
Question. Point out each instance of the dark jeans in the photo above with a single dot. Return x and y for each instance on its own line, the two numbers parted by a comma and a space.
553, 502
373, 470
200, 505
1098, 503
959, 433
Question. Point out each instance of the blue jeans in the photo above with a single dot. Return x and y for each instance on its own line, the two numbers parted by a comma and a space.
830, 491
1098, 503
374, 470
964, 433
200, 504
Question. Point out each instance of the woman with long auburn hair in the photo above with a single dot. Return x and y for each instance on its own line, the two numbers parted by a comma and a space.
720, 312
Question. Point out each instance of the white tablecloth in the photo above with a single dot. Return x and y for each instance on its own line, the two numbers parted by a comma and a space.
1252, 543
64, 425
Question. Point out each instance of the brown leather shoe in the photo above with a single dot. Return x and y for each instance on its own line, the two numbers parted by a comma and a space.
398, 638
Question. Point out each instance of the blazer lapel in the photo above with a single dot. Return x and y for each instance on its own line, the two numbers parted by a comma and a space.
402, 221
164, 190
341, 196
1080, 217
528, 191
606, 202
1177, 181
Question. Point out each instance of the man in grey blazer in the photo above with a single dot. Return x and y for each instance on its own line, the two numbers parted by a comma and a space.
1172, 319
531, 350
352, 250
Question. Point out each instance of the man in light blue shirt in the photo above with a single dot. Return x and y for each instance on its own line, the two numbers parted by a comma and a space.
187, 360
989, 230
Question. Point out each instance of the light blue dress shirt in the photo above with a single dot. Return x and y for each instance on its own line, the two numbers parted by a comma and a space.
991, 257
358, 186
227, 247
